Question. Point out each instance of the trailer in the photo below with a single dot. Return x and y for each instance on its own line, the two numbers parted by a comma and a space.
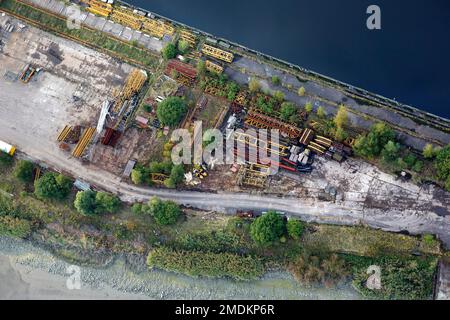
7, 148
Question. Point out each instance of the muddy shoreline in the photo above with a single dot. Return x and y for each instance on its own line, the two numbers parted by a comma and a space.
30, 272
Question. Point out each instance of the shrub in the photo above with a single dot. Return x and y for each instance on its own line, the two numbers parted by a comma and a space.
428, 151
164, 212
148, 108
287, 110
171, 111
137, 176
321, 112
24, 170
52, 185
372, 144
301, 91
308, 107
442, 163
267, 229
14, 227
276, 80
169, 51
91, 202
341, 117
254, 85
278, 95
183, 46
390, 151
136, 208
295, 228
206, 264
106, 202
312, 269
5, 159
232, 90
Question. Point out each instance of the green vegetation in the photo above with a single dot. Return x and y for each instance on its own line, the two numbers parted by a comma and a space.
164, 212
372, 144
442, 163
91, 202
401, 278
390, 151
278, 95
301, 91
295, 228
267, 228
52, 186
308, 107
428, 151
276, 81
321, 112
24, 171
254, 85
206, 264
94, 38
176, 176
14, 227
313, 269
183, 46
171, 111
5, 159
201, 68
169, 51
288, 112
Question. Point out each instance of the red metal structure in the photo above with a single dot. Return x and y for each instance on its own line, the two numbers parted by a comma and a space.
182, 68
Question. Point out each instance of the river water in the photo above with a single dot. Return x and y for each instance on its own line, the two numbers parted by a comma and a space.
408, 59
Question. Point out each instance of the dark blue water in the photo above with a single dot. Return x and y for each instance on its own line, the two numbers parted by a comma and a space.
409, 59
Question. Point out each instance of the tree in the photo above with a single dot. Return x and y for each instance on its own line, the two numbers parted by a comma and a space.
201, 67
390, 151
340, 134
321, 112
169, 51
232, 90
278, 95
370, 145
164, 212
308, 107
276, 80
137, 176
267, 229
136, 208
287, 110
442, 163
52, 185
24, 170
183, 46
301, 91
106, 202
171, 111
177, 174
85, 202
295, 228
254, 85
5, 159
341, 117
428, 151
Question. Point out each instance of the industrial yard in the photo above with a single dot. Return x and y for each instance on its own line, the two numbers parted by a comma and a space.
92, 116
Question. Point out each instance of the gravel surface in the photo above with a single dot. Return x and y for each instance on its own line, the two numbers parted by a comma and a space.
46, 276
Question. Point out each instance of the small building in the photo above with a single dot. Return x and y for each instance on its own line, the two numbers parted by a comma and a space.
128, 168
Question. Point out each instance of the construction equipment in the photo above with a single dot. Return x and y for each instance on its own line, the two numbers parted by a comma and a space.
133, 84
323, 141
127, 17
262, 121
252, 141
98, 7
7, 148
27, 74
64, 133
217, 53
84, 142
250, 176
200, 171
157, 28
213, 67
187, 36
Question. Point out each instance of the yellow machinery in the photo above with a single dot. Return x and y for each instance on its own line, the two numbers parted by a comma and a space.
188, 37
323, 141
157, 28
7, 148
251, 141
253, 176
213, 67
317, 147
127, 17
98, 7
64, 133
84, 142
217, 53
134, 83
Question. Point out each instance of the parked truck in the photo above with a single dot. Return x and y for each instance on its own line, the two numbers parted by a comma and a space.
7, 148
